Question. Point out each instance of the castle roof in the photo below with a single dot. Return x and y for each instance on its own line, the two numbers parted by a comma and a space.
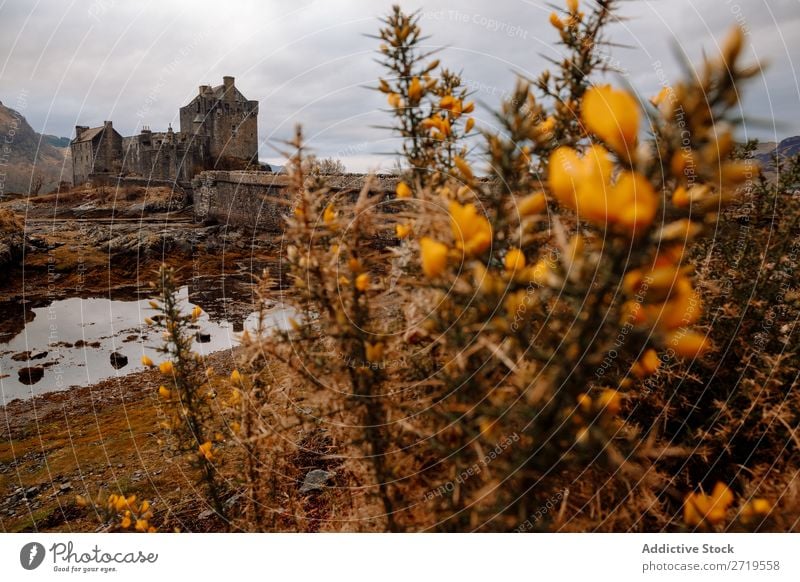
219, 93
89, 134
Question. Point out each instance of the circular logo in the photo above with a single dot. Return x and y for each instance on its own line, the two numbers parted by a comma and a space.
31, 555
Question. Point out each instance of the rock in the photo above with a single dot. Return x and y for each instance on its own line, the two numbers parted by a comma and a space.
206, 514
31, 491
25, 356
315, 479
30, 375
118, 360
64, 487
232, 501
12, 239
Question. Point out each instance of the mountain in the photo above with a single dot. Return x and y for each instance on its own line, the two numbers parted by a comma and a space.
26, 157
786, 148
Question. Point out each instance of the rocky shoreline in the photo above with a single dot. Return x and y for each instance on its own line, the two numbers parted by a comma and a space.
80, 441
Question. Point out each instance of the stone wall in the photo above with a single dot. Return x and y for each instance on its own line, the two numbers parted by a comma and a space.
260, 199
164, 156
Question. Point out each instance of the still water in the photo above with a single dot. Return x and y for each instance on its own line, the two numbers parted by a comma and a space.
78, 342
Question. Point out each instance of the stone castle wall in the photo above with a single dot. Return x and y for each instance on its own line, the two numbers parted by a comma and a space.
260, 200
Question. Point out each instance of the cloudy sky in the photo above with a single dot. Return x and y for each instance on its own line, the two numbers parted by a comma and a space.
64, 62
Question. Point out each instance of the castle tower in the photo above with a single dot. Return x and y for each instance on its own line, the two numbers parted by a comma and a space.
227, 118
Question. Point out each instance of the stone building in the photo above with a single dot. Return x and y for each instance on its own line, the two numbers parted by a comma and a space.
95, 150
219, 129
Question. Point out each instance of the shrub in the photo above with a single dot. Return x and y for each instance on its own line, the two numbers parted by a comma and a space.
533, 350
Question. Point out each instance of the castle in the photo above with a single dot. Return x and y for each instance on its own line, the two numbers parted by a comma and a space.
218, 130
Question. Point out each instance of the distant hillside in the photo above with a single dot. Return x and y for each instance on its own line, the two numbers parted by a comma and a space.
26, 156
786, 148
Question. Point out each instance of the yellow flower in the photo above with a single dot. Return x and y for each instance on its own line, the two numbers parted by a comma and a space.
610, 401
546, 127
126, 522
236, 397
471, 230
469, 125
329, 215
468, 107
585, 402
661, 97
142, 525
196, 312
403, 190
447, 102
395, 100
414, 90
572, 6
374, 352
755, 508
434, 256
236, 377
515, 260
362, 282
699, 507
680, 197
403, 230
532, 204
647, 365
205, 451
165, 368
638, 201
354, 265
571, 177
613, 116
584, 184
735, 172
463, 168
148, 321
556, 21
688, 344
164, 392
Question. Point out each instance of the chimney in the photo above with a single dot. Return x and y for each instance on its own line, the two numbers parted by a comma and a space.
108, 125
79, 129
228, 84
204, 89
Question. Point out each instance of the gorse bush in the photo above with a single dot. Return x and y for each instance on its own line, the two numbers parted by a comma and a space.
515, 340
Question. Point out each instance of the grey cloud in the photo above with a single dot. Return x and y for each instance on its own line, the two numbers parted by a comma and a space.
308, 61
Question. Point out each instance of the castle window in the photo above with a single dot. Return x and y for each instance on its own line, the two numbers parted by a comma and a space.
197, 106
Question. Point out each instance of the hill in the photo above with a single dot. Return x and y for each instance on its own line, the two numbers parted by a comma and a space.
786, 148
27, 157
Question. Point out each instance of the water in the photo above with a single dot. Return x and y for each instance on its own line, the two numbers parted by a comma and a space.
70, 342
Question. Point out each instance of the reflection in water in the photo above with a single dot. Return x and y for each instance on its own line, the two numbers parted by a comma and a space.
78, 342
